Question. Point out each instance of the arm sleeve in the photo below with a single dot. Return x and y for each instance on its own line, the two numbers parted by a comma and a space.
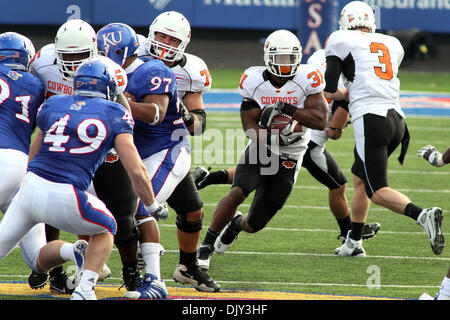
248, 104
334, 69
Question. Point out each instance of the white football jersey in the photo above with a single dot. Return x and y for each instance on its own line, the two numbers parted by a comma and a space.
374, 87
191, 72
320, 137
254, 84
45, 68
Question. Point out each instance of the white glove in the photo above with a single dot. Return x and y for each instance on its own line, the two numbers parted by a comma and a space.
432, 155
160, 213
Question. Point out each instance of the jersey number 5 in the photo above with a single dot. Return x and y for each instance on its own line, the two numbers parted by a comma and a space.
384, 58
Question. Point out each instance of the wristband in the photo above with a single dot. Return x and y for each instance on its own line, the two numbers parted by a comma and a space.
335, 129
156, 118
152, 208
288, 109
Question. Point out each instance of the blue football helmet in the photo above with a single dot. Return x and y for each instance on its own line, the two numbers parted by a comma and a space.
95, 78
117, 41
16, 51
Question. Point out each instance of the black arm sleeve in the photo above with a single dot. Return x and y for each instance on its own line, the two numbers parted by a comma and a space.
334, 68
248, 104
339, 104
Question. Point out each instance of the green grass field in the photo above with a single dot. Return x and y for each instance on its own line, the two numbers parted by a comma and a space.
410, 81
295, 252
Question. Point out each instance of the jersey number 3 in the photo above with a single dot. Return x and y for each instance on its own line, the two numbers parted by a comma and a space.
383, 58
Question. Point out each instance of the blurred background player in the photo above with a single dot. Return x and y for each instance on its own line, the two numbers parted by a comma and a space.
282, 79
21, 94
168, 37
437, 159
75, 133
119, 43
369, 62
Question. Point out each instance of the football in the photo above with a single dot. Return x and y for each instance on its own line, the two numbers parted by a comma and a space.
281, 121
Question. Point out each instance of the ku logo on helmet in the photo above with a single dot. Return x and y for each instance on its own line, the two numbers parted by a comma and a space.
112, 38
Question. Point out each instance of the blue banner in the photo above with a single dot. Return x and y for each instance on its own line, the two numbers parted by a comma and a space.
313, 20
429, 15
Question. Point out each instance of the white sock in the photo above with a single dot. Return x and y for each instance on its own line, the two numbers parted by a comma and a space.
151, 252
444, 293
88, 280
66, 252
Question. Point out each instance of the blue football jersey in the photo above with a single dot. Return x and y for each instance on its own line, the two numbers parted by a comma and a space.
21, 94
154, 77
77, 132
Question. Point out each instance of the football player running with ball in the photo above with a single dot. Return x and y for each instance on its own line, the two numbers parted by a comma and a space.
319, 163
283, 86
369, 62
168, 37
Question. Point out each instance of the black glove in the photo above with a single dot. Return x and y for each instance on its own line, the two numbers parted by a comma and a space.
269, 112
188, 118
273, 110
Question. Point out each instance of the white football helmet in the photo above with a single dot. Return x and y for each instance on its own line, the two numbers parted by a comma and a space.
357, 14
282, 53
75, 42
173, 24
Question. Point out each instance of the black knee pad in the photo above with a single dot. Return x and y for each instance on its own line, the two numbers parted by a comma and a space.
185, 198
189, 226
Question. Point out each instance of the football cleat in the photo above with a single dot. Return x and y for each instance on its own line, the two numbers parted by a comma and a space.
199, 175
131, 278
370, 229
37, 280
430, 220
227, 236
204, 254
106, 273
151, 288
426, 296
196, 277
82, 292
61, 284
350, 248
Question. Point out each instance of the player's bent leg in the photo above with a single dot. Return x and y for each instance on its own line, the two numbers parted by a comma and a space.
390, 199
97, 253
